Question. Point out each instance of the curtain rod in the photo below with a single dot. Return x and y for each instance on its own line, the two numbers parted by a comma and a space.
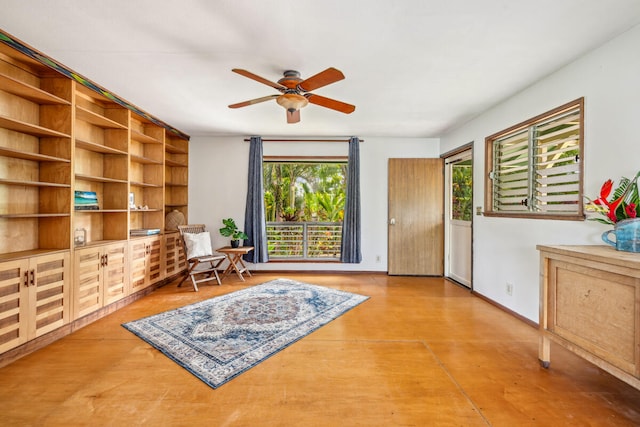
303, 140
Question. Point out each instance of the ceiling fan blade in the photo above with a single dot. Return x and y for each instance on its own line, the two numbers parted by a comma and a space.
259, 79
323, 78
253, 101
293, 116
343, 107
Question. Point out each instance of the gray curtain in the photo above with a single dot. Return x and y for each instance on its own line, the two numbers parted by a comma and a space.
350, 251
254, 216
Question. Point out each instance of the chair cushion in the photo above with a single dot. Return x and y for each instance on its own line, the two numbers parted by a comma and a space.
198, 244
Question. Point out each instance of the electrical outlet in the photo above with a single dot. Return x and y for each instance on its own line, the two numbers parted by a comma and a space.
509, 289
377, 258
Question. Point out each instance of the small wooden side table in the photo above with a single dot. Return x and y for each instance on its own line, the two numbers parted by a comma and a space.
234, 255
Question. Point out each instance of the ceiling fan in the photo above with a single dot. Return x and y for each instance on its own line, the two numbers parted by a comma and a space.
295, 92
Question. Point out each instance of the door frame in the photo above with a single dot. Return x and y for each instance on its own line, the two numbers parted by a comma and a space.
452, 154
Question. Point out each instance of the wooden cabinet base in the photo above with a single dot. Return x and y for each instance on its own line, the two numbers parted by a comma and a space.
590, 304
46, 339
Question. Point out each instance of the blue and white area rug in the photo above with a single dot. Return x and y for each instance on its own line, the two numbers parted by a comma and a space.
219, 338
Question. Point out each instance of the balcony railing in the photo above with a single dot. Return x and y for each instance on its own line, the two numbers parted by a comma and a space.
317, 241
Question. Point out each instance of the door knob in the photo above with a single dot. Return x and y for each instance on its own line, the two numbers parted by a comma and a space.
392, 221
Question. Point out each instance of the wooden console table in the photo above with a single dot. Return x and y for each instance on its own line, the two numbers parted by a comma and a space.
234, 255
590, 304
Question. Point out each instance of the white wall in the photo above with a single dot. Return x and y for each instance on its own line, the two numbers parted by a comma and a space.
504, 249
218, 187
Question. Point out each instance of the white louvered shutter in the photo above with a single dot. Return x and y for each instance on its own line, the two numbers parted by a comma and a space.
536, 167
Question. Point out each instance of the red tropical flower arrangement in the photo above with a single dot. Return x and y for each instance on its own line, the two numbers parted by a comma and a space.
622, 204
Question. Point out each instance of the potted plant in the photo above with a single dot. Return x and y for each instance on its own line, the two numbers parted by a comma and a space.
230, 229
619, 208
622, 204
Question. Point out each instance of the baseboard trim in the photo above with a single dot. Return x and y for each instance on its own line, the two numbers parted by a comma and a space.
506, 309
318, 272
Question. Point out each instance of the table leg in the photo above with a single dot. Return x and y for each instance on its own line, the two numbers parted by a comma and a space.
544, 351
244, 267
234, 259
229, 267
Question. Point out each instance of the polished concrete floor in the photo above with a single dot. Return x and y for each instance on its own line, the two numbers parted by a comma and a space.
419, 352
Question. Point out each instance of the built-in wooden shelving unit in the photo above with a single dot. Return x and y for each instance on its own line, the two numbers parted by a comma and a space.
60, 134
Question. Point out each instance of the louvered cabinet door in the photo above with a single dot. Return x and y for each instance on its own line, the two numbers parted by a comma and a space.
175, 261
49, 296
88, 293
156, 270
14, 295
34, 298
116, 273
139, 261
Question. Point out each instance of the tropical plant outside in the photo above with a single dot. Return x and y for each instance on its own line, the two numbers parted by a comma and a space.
462, 191
304, 191
297, 194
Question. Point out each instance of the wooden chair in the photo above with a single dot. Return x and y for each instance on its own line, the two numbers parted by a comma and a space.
203, 255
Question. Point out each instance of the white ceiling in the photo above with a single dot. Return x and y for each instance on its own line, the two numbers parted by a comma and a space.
414, 68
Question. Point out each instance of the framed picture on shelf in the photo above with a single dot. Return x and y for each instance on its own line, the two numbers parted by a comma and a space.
132, 201
85, 200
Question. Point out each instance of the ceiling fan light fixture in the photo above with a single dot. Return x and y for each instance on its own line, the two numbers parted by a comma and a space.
295, 93
292, 101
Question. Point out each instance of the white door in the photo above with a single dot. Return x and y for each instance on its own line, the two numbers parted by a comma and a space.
459, 214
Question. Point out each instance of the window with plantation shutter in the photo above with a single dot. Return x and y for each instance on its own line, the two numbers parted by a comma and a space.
535, 167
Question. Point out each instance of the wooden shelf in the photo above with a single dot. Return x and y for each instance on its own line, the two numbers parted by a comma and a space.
42, 215
100, 211
173, 149
145, 184
98, 148
100, 179
26, 155
173, 163
28, 254
32, 93
145, 210
33, 183
144, 138
29, 128
145, 160
96, 243
176, 174
97, 119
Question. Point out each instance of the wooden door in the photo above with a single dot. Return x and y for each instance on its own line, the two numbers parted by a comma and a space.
174, 260
14, 297
34, 298
138, 264
50, 293
416, 217
156, 270
88, 283
116, 272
